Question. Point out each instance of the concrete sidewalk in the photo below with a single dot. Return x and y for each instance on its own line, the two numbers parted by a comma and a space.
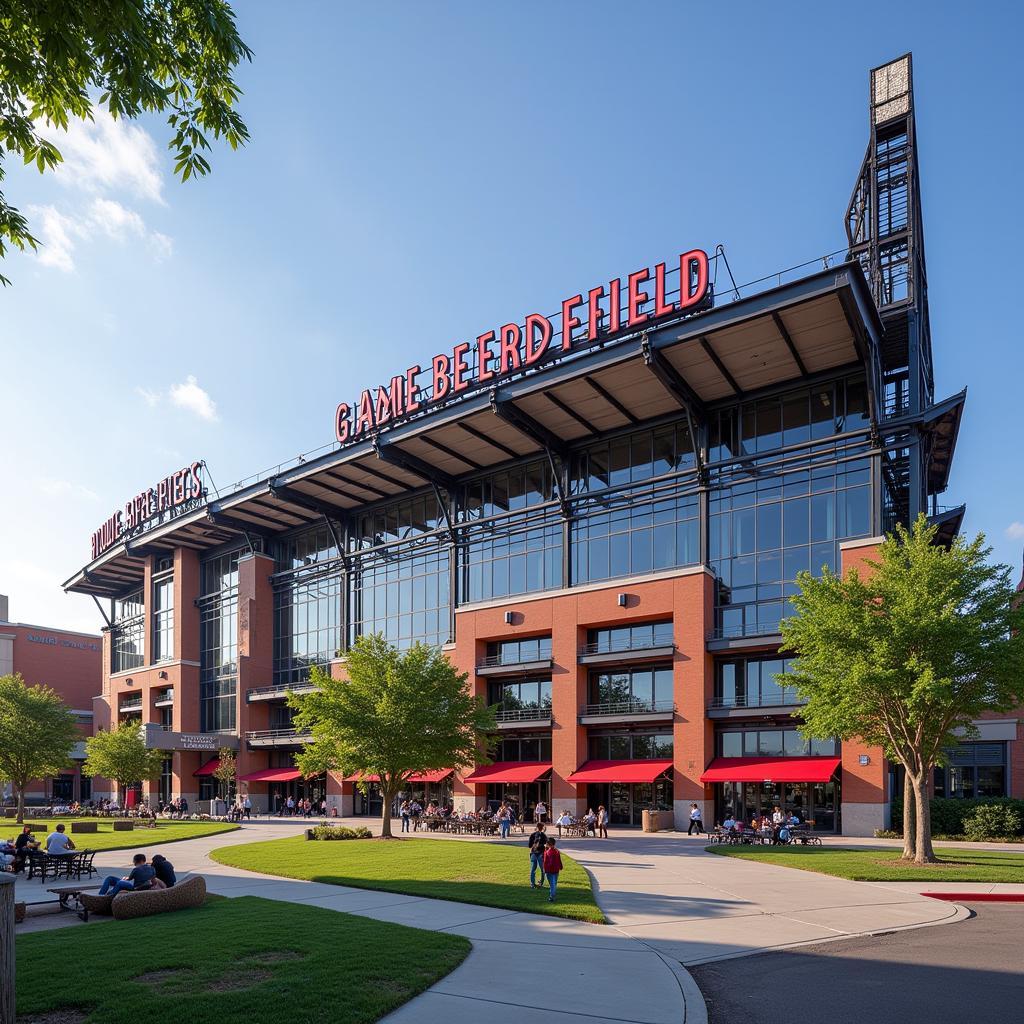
669, 902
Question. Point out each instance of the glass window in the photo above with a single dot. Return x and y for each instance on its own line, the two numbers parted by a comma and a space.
641, 636
517, 652
127, 632
218, 643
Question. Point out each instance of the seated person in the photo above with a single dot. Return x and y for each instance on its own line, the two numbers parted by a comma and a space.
793, 819
25, 843
8, 852
139, 878
164, 871
57, 843
729, 823
563, 820
738, 826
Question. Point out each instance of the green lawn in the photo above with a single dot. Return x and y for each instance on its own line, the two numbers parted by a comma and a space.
231, 962
488, 874
883, 865
107, 839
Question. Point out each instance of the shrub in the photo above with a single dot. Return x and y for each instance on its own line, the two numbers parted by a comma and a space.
950, 814
340, 832
887, 833
992, 821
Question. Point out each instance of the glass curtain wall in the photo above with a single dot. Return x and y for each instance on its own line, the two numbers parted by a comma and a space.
127, 632
163, 618
218, 643
308, 589
752, 683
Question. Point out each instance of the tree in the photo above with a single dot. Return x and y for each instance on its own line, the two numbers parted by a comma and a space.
226, 770
122, 755
60, 59
397, 714
907, 658
37, 732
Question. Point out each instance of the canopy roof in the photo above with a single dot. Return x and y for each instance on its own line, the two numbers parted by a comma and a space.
771, 769
436, 776
271, 775
791, 334
207, 769
620, 771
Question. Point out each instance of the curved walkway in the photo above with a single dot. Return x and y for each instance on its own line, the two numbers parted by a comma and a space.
669, 903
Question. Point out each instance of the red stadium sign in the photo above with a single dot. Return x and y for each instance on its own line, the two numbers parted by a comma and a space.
512, 348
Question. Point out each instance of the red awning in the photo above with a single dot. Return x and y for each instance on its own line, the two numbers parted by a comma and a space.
510, 771
271, 775
620, 771
437, 776
206, 769
771, 769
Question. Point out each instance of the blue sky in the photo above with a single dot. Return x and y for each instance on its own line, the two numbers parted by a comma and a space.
419, 173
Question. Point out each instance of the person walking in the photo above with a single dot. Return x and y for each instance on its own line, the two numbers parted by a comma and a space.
247, 806
504, 820
695, 820
552, 867
602, 821
537, 844
403, 813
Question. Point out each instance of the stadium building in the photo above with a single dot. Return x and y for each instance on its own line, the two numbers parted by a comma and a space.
599, 515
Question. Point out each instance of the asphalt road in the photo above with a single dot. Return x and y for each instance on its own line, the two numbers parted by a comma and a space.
948, 974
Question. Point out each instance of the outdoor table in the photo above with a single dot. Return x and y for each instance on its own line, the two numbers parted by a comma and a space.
72, 892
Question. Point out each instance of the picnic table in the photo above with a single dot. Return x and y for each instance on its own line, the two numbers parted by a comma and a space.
73, 892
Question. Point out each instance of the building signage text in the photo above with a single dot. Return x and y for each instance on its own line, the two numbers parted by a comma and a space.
52, 641
602, 312
174, 494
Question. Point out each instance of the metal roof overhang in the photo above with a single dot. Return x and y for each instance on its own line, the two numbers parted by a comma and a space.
948, 523
794, 333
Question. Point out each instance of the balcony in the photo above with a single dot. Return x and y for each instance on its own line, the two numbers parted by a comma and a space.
750, 634
744, 705
278, 691
497, 665
130, 706
613, 652
515, 718
165, 699
276, 738
627, 711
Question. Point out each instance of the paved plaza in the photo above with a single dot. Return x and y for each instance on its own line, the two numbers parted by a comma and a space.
670, 906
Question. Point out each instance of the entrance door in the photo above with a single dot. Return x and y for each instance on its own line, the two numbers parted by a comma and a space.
370, 804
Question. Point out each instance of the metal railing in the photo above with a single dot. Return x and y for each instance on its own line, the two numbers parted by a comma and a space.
624, 645
281, 689
739, 701
522, 715
501, 661
747, 629
274, 735
135, 705
629, 707
166, 697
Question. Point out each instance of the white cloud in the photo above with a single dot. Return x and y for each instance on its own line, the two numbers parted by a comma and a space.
114, 220
192, 397
59, 231
55, 231
55, 488
1015, 531
151, 398
161, 246
107, 154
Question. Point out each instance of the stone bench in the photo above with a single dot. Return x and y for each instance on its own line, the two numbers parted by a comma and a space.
121, 825
84, 826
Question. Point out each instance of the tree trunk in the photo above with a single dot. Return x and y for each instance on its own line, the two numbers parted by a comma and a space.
909, 826
7, 949
924, 854
21, 805
385, 818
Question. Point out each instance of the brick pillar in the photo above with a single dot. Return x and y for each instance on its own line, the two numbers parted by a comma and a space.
255, 660
693, 732
864, 793
568, 694
185, 715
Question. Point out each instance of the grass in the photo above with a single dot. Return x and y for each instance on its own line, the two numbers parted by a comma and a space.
487, 874
105, 838
883, 865
230, 962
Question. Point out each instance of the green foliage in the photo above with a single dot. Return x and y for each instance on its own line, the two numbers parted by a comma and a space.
908, 657
140, 56
227, 768
949, 815
328, 832
398, 713
37, 732
122, 755
993, 822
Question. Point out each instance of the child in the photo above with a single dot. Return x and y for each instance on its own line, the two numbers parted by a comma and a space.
552, 866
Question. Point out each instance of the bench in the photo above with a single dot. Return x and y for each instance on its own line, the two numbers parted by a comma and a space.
84, 826
120, 825
188, 893
72, 892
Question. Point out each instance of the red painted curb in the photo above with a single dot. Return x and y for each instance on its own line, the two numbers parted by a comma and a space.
977, 897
